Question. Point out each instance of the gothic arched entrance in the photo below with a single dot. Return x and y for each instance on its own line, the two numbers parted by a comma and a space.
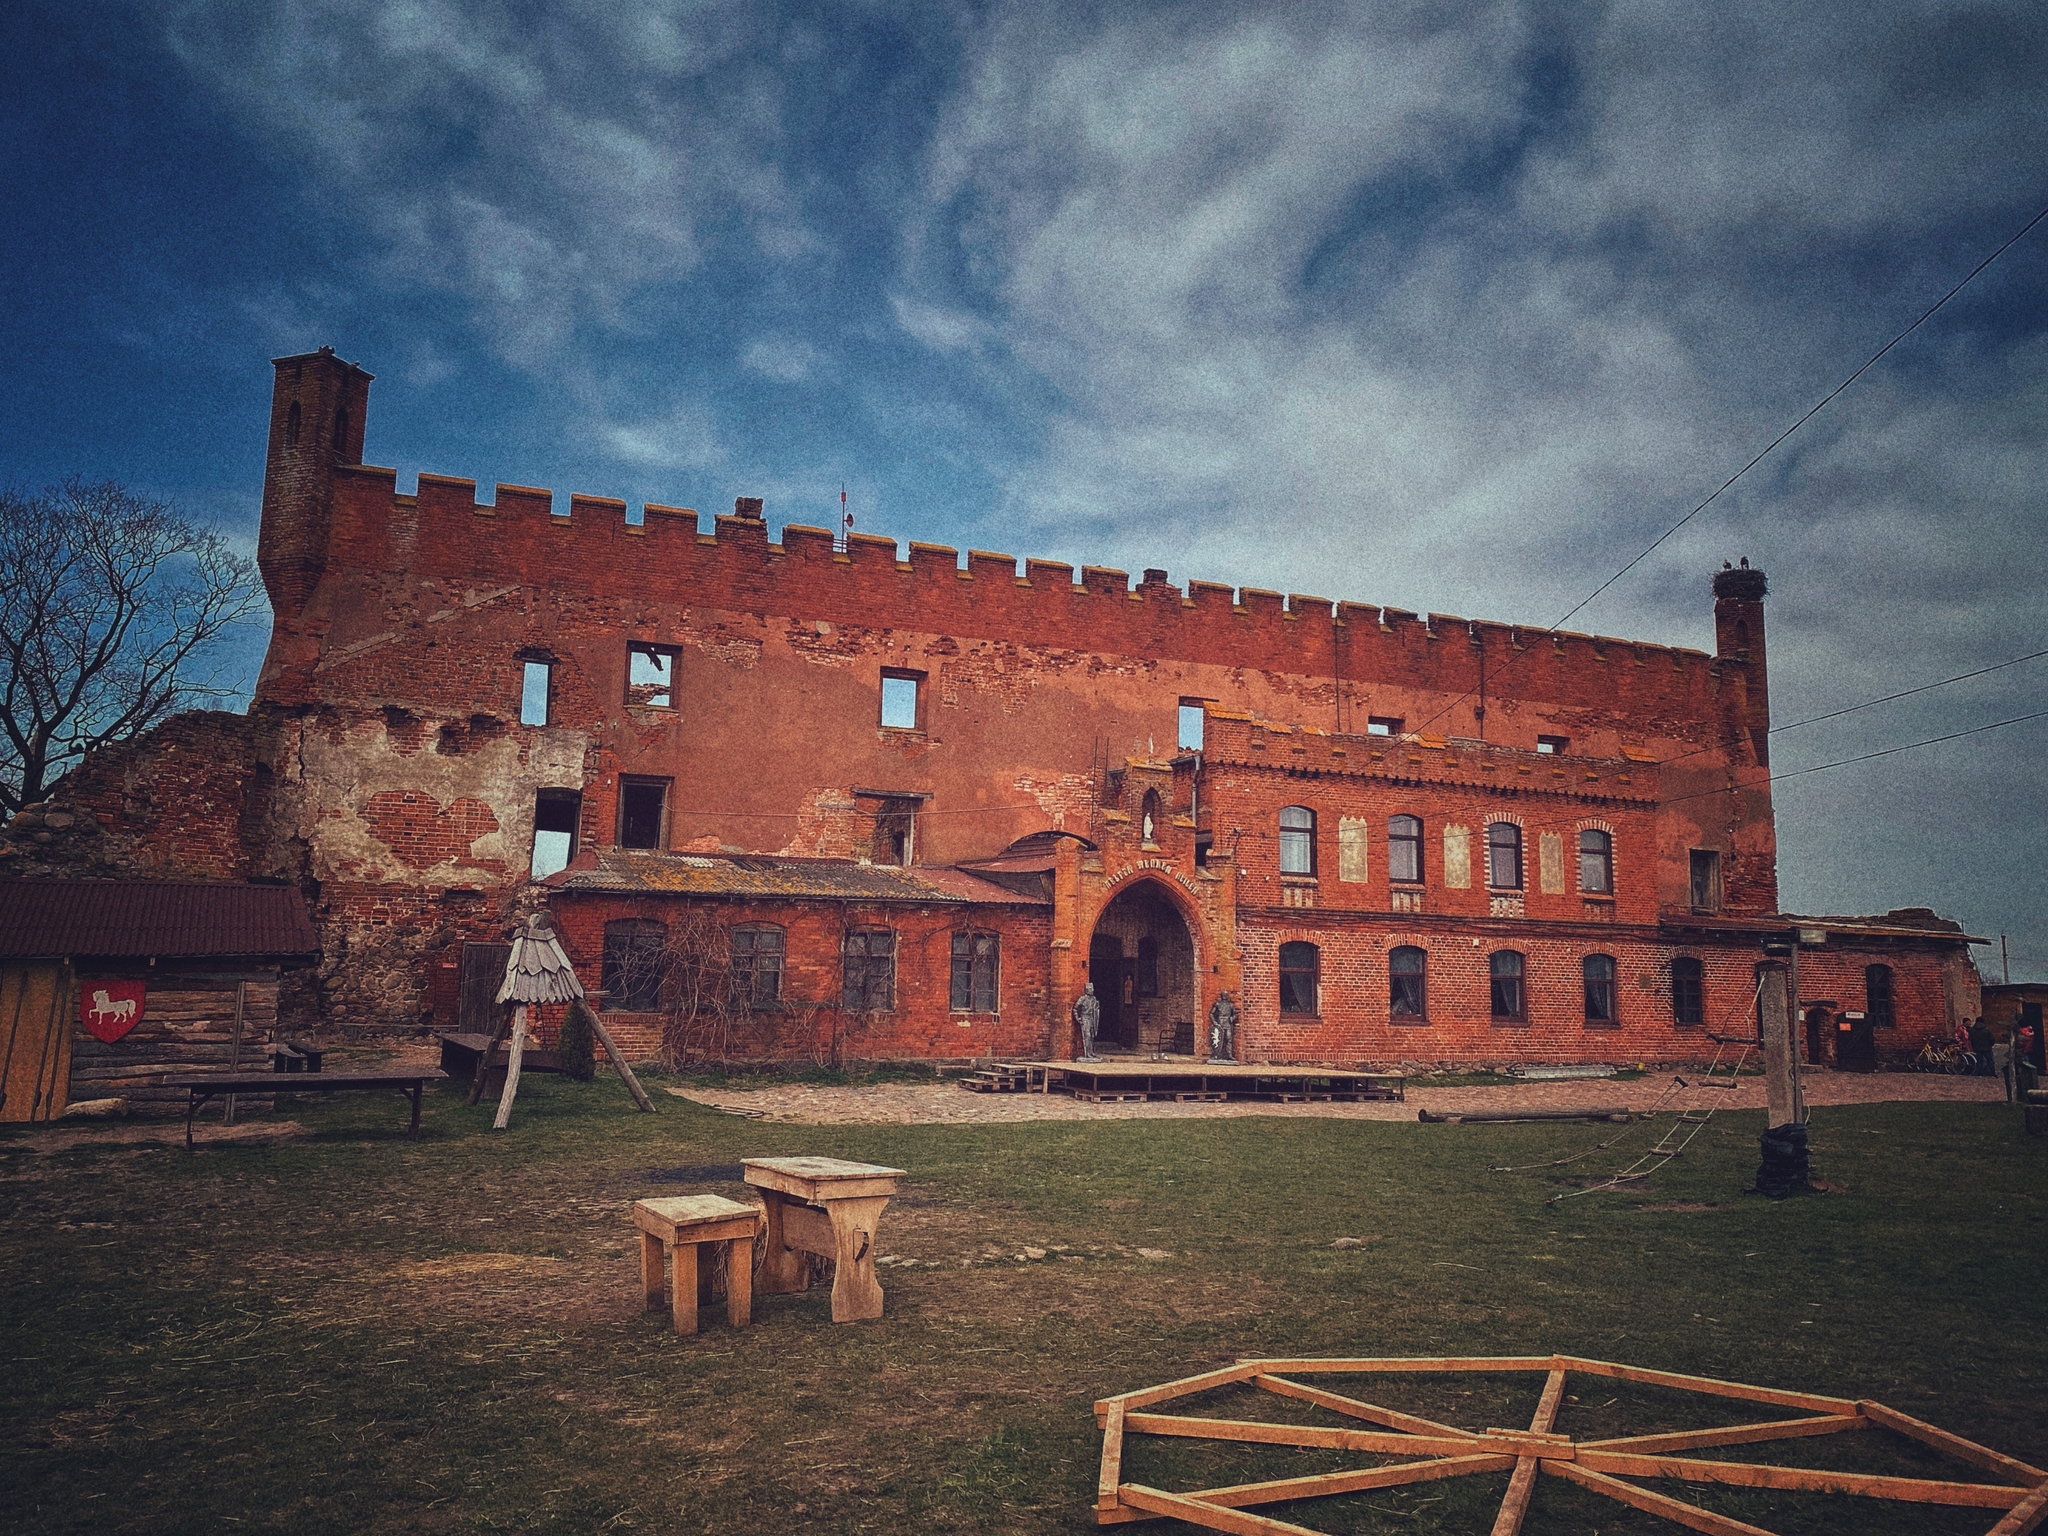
1141, 959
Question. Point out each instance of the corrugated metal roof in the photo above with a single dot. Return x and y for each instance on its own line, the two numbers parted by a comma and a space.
756, 875
168, 919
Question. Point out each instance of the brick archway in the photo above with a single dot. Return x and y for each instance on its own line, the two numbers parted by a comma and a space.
1143, 955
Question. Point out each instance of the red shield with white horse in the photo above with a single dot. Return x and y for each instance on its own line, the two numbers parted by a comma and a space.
109, 1009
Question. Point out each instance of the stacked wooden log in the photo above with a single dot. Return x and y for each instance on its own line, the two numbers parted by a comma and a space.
187, 1026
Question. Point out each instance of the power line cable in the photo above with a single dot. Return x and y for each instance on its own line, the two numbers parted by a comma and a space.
1870, 362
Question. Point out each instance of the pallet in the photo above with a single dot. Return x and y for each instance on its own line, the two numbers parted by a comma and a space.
1105, 1096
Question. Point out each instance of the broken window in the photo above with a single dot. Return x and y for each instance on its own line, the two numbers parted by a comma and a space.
1404, 849
534, 693
1688, 1000
1552, 746
1877, 996
1505, 968
895, 834
1599, 971
1504, 856
556, 813
900, 700
1297, 840
1596, 862
1191, 725
643, 806
1300, 977
870, 970
651, 675
757, 966
635, 960
975, 965
1706, 880
1383, 725
1408, 975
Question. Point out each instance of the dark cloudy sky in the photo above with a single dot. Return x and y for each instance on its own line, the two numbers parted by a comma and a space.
1448, 307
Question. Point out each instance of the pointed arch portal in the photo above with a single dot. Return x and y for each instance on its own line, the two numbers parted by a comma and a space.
1141, 959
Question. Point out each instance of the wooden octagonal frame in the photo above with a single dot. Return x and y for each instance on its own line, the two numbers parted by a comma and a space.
1605, 1466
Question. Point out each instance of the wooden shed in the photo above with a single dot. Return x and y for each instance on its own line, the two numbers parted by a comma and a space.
106, 986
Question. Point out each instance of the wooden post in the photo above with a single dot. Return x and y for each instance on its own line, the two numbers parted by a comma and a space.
512, 1068
235, 1051
483, 1062
1781, 1061
605, 1039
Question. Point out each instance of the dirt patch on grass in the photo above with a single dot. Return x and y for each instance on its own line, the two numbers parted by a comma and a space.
161, 1133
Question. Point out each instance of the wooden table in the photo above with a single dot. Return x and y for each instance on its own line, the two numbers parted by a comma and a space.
410, 1081
830, 1208
678, 1225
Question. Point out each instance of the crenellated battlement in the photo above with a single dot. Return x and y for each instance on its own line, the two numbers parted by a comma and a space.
587, 543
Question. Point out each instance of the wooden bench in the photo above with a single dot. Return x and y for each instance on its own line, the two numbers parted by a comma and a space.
822, 1206
680, 1224
411, 1081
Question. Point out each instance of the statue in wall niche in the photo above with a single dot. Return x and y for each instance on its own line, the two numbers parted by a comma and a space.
1088, 1019
1223, 1029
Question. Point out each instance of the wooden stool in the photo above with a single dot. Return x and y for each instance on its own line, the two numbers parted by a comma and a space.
680, 1225
822, 1206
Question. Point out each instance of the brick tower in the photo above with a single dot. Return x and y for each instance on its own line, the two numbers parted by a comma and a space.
317, 410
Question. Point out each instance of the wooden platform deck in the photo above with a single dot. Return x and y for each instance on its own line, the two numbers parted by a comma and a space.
1169, 1079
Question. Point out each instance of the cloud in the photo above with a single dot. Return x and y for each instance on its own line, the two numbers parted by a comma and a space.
784, 359
686, 438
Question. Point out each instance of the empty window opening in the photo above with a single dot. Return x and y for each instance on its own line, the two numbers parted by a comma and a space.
1552, 746
1408, 976
976, 958
635, 962
1599, 970
1706, 880
341, 437
757, 966
1203, 844
1877, 996
1383, 725
1191, 725
291, 426
1596, 862
651, 676
1505, 967
1404, 849
900, 700
1300, 976
535, 690
1147, 972
1297, 840
870, 971
1688, 1000
556, 813
643, 807
1504, 856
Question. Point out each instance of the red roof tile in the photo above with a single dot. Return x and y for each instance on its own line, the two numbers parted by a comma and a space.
168, 919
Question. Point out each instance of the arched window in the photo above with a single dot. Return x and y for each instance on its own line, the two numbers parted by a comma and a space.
1688, 1004
1300, 971
1148, 817
1509, 1001
975, 964
1297, 840
1596, 862
291, 426
1404, 849
635, 961
1407, 981
757, 965
1504, 856
1877, 996
1600, 989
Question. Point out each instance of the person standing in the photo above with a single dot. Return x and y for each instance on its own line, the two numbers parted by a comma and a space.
1980, 1047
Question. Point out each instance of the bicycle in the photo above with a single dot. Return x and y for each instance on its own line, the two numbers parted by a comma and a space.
1936, 1057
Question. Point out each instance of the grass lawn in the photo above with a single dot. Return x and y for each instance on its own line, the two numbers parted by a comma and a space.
354, 1332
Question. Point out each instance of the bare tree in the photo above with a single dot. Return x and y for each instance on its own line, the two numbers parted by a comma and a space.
109, 604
